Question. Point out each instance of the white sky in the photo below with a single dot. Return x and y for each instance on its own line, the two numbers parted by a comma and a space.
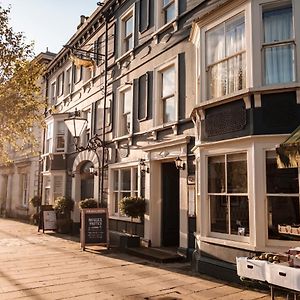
49, 23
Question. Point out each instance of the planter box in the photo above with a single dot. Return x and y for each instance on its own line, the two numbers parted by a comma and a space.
283, 275
250, 268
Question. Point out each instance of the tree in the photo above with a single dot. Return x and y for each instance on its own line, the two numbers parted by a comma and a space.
20, 101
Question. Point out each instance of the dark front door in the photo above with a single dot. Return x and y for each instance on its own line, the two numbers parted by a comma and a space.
170, 205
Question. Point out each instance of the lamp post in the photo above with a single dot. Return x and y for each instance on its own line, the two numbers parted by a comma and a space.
76, 126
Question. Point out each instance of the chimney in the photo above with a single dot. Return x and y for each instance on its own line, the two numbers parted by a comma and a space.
82, 21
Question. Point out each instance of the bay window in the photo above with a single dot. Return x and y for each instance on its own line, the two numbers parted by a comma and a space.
226, 57
278, 44
282, 196
125, 184
49, 138
60, 136
228, 194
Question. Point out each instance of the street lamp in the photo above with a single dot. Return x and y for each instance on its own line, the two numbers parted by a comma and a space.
76, 126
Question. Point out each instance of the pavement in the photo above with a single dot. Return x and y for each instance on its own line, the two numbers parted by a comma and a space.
42, 266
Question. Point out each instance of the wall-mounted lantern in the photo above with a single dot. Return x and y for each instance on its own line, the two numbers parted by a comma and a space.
143, 166
180, 165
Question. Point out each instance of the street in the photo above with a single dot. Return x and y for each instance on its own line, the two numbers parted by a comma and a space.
50, 266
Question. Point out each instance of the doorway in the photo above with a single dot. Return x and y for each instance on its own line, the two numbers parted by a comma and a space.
87, 181
170, 205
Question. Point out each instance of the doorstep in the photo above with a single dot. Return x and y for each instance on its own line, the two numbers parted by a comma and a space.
160, 255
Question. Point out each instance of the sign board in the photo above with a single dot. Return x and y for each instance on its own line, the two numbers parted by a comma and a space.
94, 227
47, 218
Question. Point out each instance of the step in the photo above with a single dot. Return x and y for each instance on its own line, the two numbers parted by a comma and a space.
161, 255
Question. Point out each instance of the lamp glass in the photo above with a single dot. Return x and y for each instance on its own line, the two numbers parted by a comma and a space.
76, 125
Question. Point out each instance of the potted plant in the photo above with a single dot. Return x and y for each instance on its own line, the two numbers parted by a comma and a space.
88, 203
63, 207
133, 207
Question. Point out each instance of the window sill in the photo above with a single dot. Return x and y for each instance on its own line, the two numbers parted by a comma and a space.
128, 54
125, 219
241, 242
173, 23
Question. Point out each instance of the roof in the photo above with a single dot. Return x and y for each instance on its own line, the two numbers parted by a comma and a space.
288, 153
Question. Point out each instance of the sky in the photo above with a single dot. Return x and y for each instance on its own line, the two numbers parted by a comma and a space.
49, 23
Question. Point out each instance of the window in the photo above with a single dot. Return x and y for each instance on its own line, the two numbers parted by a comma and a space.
60, 136
125, 184
60, 84
228, 194
53, 93
282, 196
49, 138
47, 187
24, 189
168, 94
100, 49
125, 115
77, 74
99, 114
127, 32
226, 57
168, 9
278, 45
68, 81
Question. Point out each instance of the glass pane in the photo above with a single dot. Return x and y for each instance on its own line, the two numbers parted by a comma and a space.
217, 80
239, 215
235, 35
116, 199
282, 211
237, 173
60, 142
237, 73
129, 26
279, 64
168, 82
216, 174
170, 13
125, 180
126, 124
116, 180
215, 44
169, 112
135, 181
218, 214
61, 127
280, 180
127, 101
278, 24
128, 43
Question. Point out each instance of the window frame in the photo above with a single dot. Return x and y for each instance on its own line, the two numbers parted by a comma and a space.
228, 236
68, 82
272, 6
120, 113
130, 13
158, 106
24, 189
134, 190
60, 84
226, 58
160, 14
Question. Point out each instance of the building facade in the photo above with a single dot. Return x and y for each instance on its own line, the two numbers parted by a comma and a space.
211, 84
248, 100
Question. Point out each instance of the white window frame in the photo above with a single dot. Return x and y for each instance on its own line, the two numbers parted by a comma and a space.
53, 95
267, 195
48, 184
225, 236
134, 169
130, 13
160, 14
58, 134
120, 112
199, 40
49, 137
269, 6
60, 84
158, 104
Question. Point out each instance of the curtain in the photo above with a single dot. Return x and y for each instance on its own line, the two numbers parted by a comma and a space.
279, 59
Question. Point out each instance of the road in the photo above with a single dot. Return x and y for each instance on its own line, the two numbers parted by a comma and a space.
39, 266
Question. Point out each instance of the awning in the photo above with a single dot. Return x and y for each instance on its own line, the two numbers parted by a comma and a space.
288, 153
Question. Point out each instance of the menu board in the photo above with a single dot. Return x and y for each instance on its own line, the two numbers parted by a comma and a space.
94, 227
47, 220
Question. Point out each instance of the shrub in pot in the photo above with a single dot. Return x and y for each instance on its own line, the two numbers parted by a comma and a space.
133, 207
36, 202
88, 203
63, 207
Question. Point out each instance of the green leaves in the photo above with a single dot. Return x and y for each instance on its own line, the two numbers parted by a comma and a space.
21, 103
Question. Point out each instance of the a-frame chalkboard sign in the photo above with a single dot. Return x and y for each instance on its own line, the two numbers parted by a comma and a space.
47, 219
94, 227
